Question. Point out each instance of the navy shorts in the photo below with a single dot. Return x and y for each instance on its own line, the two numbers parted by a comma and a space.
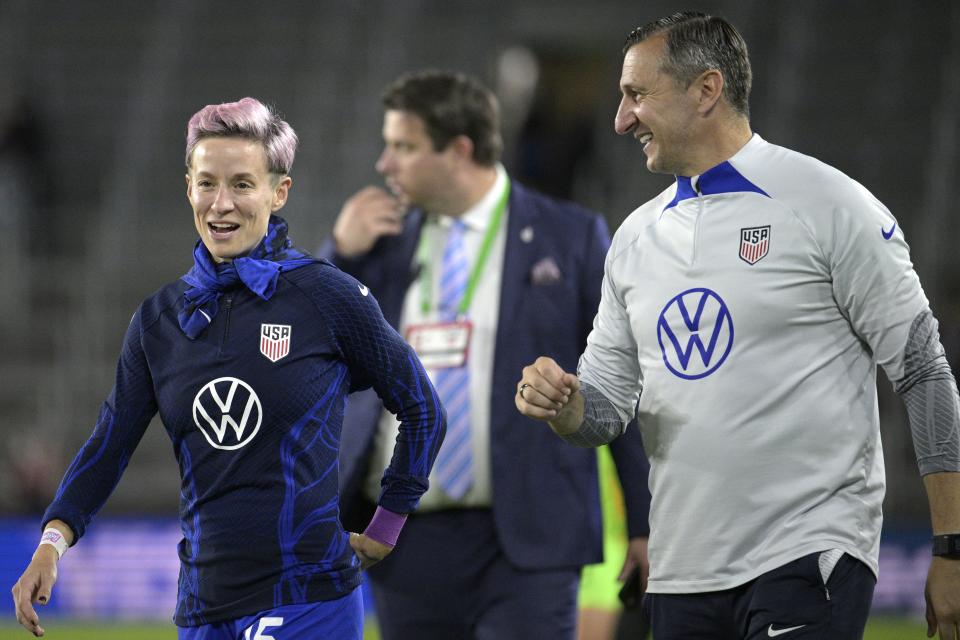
791, 602
450, 579
341, 619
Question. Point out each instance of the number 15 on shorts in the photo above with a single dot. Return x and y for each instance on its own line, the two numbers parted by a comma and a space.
264, 625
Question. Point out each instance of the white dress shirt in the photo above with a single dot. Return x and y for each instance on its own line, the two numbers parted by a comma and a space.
483, 314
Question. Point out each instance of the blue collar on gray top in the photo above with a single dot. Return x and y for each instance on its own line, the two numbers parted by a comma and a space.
722, 178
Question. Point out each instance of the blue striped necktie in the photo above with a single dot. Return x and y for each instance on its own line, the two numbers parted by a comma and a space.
453, 470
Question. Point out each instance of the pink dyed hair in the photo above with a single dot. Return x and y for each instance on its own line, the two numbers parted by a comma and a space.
246, 118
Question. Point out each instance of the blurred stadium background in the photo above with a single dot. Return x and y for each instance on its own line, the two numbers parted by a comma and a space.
94, 98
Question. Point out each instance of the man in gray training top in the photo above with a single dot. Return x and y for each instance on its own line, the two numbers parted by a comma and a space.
743, 313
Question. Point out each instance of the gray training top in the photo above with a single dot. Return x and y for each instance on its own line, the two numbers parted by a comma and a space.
751, 306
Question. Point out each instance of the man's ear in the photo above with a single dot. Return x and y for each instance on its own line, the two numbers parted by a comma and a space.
707, 89
462, 148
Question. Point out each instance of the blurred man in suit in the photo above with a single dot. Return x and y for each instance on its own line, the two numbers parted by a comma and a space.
480, 274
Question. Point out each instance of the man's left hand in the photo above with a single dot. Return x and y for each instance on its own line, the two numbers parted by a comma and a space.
636, 557
943, 598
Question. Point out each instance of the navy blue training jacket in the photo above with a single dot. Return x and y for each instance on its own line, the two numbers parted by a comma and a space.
257, 439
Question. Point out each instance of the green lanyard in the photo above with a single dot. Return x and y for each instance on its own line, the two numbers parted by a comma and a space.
426, 277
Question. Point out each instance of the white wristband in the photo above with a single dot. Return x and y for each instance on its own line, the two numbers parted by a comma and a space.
55, 539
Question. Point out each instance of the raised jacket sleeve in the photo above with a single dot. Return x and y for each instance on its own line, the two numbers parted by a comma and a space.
627, 450
379, 358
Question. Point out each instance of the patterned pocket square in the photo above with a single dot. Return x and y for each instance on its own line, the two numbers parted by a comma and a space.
545, 272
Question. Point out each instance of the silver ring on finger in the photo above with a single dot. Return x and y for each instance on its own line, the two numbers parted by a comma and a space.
522, 387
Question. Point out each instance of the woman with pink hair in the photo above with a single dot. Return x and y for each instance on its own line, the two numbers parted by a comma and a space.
248, 359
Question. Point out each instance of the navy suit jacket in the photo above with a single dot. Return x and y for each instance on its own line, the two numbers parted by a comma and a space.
545, 500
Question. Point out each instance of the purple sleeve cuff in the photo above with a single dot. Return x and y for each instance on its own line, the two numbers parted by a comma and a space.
385, 526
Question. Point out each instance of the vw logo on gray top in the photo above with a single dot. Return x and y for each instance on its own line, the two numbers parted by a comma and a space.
695, 331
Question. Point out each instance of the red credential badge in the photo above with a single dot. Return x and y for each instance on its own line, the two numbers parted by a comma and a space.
440, 345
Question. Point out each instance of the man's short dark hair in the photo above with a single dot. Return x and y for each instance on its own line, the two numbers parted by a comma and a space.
451, 104
696, 42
